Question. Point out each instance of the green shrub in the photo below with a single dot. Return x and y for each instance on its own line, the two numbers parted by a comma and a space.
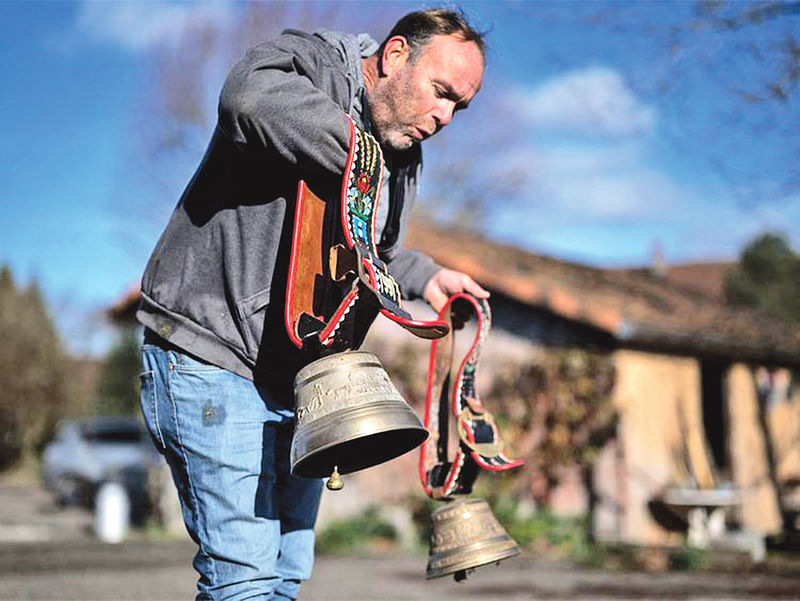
689, 558
421, 510
547, 533
360, 533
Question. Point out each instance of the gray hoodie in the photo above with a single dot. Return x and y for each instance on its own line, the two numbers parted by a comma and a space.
215, 284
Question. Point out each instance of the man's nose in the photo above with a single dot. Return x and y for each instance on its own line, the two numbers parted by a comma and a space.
443, 113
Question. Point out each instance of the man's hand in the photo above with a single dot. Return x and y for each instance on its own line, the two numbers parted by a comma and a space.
447, 282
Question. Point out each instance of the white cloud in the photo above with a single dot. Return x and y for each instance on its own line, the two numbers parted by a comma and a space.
591, 101
137, 26
609, 182
608, 204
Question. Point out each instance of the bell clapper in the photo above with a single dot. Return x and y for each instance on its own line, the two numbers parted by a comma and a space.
335, 481
460, 575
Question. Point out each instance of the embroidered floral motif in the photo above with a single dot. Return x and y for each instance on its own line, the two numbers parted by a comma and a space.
363, 183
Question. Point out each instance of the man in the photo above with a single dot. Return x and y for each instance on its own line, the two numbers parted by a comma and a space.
216, 387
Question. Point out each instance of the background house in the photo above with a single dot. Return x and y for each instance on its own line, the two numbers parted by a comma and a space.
703, 393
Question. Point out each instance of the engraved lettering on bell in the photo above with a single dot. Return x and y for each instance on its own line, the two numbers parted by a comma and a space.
467, 532
349, 393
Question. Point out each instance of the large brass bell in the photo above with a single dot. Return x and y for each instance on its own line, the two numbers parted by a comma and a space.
349, 416
466, 535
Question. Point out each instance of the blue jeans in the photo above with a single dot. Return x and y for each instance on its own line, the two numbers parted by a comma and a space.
227, 444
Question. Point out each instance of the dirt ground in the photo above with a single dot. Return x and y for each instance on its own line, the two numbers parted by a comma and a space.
47, 554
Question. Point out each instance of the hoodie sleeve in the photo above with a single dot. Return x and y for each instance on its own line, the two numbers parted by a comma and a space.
412, 270
272, 101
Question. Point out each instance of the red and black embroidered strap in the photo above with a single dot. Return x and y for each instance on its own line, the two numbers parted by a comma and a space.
337, 283
453, 392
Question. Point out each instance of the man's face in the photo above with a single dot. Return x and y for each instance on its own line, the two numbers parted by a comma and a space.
415, 100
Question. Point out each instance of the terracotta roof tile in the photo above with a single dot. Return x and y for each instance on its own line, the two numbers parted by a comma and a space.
633, 305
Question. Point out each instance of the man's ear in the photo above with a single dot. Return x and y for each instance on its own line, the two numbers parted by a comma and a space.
395, 54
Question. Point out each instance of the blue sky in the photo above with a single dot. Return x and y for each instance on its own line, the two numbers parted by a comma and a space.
620, 137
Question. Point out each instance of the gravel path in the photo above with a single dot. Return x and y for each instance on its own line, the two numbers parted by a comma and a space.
50, 555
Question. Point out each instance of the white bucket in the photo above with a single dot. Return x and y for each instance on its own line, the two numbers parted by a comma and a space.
112, 513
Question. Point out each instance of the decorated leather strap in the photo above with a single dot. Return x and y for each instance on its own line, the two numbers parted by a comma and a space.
452, 394
353, 265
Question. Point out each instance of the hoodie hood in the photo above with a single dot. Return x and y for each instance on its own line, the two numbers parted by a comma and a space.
352, 48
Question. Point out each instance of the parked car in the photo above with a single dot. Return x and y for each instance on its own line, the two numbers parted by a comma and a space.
85, 454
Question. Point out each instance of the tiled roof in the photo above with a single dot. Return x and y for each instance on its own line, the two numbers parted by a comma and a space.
634, 306
680, 312
708, 277
123, 311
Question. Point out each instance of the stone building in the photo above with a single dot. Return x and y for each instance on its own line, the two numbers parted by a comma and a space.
705, 394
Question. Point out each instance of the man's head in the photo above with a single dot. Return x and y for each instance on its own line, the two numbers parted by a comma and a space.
429, 67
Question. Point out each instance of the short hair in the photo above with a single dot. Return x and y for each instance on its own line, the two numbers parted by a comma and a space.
420, 26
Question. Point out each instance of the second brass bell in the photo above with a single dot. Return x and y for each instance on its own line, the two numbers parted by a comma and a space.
465, 535
349, 416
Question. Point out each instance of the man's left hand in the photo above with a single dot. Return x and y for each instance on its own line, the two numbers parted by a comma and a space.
447, 282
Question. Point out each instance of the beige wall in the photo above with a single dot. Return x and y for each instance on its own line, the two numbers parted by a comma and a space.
759, 511
662, 442
784, 426
661, 436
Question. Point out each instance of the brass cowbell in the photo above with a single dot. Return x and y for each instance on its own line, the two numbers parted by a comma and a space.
465, 535
349, 416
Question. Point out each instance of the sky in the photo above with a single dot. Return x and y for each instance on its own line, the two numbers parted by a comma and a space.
624, 137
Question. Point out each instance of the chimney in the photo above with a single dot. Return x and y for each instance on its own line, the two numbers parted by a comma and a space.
659, 266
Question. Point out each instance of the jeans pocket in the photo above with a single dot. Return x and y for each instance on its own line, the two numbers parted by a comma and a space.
149, 402
180, 362
250, 314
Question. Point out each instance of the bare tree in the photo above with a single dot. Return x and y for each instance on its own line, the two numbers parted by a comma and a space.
750, 50
35, 388
745, 54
